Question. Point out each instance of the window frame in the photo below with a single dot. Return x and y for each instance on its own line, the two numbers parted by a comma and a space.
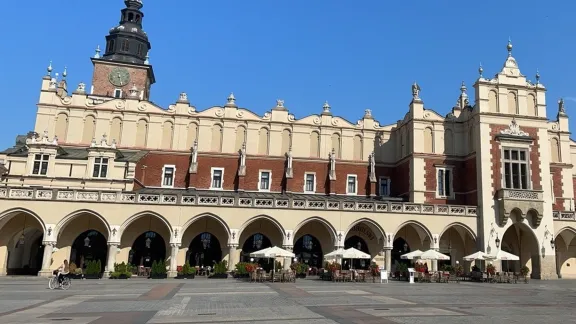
380, 181
503, 160
100, 165
260, 172
306, 174
450, 184
212, 171
44, 159
164, 168
348, 176
119, 92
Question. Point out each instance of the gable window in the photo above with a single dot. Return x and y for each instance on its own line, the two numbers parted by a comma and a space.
118, 93
217, 176
168, 176
516, 168
444, 183
310, 183
40, 166
351, 184
100, 167
384, 186
264, 183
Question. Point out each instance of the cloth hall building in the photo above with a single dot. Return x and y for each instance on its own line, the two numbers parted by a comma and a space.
108, 175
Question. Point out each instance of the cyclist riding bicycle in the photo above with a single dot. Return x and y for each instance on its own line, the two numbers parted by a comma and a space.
62, 271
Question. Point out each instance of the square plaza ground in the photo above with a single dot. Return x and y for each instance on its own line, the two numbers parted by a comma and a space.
231, 301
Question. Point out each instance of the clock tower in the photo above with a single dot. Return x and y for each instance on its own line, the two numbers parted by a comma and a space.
124, 67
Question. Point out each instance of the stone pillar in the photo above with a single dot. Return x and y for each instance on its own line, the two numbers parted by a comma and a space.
232, 257
47, 259
173, 270
112, 251
548, 267
287, 261
388, 256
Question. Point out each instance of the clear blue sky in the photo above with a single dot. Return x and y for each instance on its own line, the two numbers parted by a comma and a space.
355, 54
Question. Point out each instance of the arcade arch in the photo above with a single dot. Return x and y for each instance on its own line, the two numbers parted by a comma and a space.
144, 239
21, 236
364, 235
313, 238
410, 236
259, 233
204, 240
565, 246
457, 241
521, 241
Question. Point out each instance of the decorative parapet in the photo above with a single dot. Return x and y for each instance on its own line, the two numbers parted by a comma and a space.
34, 139
564, 215
235, 200
521, 200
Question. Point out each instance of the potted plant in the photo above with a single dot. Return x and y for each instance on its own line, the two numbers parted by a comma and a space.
121, 271
300, 269
402, 270
458, 270
186, 272
93, 270
220, 270
524, 271
490, 269
158, 270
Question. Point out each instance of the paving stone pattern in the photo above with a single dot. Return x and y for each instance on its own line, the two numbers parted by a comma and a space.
28, 300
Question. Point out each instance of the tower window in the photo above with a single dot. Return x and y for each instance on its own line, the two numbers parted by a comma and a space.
130, 17
118, 93
140, 47
125, 45
137, 18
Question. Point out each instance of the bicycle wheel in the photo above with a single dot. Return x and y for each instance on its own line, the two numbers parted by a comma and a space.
66, 283
53, 283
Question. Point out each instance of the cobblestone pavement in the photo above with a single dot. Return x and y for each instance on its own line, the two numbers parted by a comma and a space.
28, 300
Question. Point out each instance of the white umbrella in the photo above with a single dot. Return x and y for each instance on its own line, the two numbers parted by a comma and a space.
411, 255
352, 253
477, 256
433, 255
503, 255
336, 254
272, 252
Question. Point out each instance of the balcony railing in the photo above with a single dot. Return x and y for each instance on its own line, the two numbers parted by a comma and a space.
564, 215
231, 199
515, 194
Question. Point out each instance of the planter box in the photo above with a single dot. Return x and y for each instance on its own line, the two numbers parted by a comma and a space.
156, 276
189, 276
219, 276
122, 276
93, 276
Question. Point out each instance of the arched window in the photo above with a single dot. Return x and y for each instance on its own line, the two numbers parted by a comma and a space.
336, 144
512, 103
531, 105
216, 144
61, 127
240, 138
428, 140
493, 101
116, 130
263, 139
167, 135
125, 46
192, 134
89, 128
555, 150
357, 147
286, 141
314, 144
141, 133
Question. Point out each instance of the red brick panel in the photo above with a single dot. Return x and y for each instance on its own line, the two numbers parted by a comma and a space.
149, 169
463, 181
103, 87
202, 179
253, 167
557, 183
496, 153
296, 184
341, 182
400, 179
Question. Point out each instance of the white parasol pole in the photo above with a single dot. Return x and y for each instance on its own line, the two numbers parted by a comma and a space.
273, 266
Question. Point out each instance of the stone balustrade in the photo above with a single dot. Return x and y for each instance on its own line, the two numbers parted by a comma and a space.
233, 199
564, 215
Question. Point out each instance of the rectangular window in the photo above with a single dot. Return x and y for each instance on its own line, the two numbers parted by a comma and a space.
351, 185
516, 169
217, 178
444, 185
40, 166
125, 46
100, 168
118, 93
310, 183
264, 184
384, 186
168, 176
140, 50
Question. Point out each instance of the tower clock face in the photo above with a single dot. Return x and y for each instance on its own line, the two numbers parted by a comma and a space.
119, 77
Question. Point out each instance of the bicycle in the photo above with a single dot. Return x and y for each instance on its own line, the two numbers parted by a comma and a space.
65, 284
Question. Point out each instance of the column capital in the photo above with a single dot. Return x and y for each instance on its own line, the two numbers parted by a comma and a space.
174, 245
232, 246
387, 248
114, 244
51, 243
288, 247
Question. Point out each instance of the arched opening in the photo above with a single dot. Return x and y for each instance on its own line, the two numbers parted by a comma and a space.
409, 237
565, 246
89, 246
308, 250
21, 249
204, 241
521, 241
143, 240
204, 250
358, 243
148, 247
255, 243
456, 242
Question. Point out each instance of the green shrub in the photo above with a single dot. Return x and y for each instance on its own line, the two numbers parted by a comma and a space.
158, 268
93, 268
187, 269
221, 267
241, 268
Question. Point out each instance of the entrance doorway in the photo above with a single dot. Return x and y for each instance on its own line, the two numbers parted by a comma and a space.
204, 250
359, 244
147, 248
309, 251
255, 243
89, 246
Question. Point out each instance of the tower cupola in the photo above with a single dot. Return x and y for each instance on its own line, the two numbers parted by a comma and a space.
128, 42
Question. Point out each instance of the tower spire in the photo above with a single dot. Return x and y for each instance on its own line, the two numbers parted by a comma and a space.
127, 42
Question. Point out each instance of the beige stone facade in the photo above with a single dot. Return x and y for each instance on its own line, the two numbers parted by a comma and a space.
118, 179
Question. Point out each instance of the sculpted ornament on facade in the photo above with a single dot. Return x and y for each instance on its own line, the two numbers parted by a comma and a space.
372, 163
332, 157
103, 143
514, 129
44, 140
194, 158
242, 169
289, 163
